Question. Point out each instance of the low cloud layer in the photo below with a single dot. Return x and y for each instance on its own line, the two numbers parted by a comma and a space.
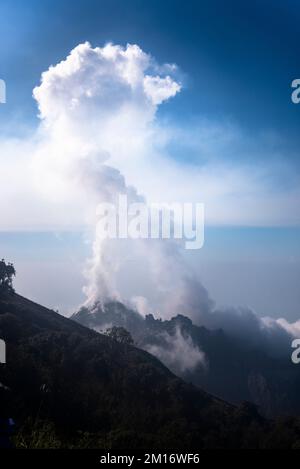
178, 352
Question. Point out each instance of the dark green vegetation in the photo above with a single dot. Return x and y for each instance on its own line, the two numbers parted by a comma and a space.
7, 272
68, 386
235, 371
119, 334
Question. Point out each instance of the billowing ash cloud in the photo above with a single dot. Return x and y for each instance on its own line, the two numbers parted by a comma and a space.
97, 109
98, 138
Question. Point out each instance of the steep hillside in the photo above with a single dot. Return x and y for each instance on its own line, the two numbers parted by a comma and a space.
68, 386
219, 363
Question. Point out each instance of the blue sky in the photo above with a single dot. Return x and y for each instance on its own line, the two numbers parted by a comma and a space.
239, 59
236, 62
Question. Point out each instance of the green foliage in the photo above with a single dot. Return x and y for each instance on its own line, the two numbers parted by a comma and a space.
70, 387
120, 334
7, 272
37, 435
237, 372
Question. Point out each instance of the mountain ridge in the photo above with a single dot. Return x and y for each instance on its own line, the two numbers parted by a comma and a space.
227, 367
71, 387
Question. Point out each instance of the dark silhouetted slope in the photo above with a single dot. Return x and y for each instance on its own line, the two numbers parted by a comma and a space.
73, 387
235, 371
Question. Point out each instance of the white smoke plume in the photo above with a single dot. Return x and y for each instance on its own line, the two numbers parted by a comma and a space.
99, 138
178, 352
98, 109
